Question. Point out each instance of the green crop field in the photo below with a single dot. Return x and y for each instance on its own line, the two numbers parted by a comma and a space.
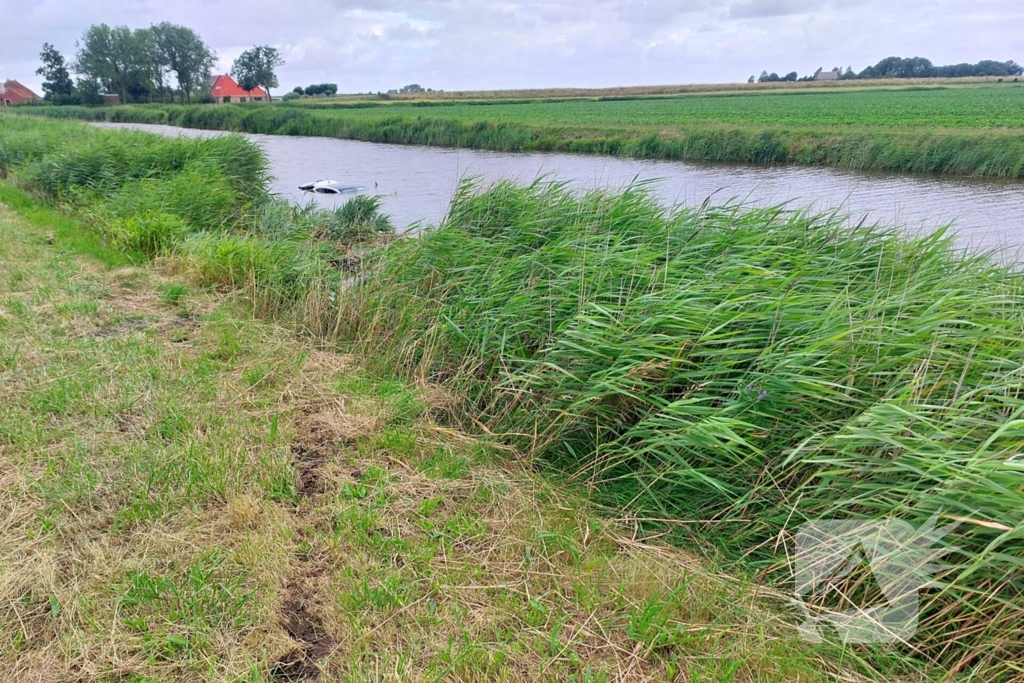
956, 108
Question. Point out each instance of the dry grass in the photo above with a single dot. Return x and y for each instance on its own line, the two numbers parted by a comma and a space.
187, 494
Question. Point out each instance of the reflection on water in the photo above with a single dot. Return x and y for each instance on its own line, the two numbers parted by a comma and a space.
418, 182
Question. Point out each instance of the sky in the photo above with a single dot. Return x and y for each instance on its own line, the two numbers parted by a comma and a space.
370, 46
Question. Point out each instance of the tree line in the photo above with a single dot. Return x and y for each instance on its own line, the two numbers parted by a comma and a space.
313, 90
160, 63
912, 67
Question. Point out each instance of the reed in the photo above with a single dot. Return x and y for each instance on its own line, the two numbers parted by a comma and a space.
202, 199
751, 369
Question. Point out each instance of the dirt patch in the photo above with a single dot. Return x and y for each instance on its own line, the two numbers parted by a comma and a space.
307, 464
319, 436
301, 663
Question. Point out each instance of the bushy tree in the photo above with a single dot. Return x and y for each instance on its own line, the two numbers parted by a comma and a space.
117, 58
57, 84
327, 89
185, 55
257, 67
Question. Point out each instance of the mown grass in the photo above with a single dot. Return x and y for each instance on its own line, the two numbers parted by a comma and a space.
960, 131
189, 494
746, 370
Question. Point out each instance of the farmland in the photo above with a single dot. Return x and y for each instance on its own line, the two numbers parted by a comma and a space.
973, 130
944, 108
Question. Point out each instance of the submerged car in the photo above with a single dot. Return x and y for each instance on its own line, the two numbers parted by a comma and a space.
330, 187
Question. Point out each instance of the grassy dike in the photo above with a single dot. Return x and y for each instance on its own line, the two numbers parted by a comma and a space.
188, 492
969, 131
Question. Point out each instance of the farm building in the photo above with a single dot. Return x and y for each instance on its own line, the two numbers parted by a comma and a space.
827, 75
13, 93
225, 89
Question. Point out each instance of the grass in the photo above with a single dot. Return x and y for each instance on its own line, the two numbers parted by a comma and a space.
747, 370
187, 493
717, 375
974, 130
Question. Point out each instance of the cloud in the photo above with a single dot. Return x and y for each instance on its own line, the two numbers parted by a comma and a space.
371, 45
752, 9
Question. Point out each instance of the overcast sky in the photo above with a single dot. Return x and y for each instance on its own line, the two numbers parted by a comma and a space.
480, 44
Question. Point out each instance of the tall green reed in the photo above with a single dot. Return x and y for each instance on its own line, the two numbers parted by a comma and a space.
744, 369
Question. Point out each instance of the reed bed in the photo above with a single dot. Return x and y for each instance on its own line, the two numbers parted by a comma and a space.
204, 200
746, 370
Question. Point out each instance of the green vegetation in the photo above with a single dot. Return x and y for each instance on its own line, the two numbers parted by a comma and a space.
750, 369
204, 200
187, 493
257, 66
720, 374
913, 67
965, 131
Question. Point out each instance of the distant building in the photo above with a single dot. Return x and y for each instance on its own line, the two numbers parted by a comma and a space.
827, 75
225, 89
14, 93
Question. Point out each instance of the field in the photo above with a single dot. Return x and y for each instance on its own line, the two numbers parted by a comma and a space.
967, 130
641, 91
975, 108
540, 389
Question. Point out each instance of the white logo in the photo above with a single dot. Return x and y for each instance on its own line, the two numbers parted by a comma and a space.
900, 559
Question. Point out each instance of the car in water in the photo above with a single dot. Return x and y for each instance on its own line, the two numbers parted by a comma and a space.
331, 187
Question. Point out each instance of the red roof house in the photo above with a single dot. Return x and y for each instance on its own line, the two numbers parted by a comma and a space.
225, 89
13, 93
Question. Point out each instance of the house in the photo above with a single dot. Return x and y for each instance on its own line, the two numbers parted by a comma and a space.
225, 89
832, 75
13, 93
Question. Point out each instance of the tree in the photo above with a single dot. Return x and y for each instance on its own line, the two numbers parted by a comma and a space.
790, 77
54, 69
256, 67
750, 80
327, 89
185, 55
116, 58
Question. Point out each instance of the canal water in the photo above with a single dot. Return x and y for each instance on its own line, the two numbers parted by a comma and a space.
417, 183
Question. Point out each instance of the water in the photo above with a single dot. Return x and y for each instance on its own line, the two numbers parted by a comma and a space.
417, 183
